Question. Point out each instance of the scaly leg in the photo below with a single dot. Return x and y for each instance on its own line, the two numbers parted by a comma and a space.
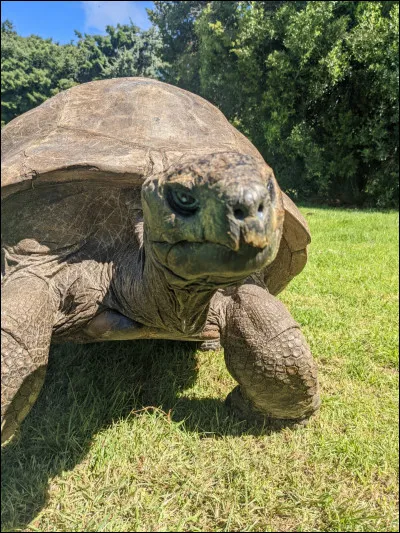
267, 355
27, 316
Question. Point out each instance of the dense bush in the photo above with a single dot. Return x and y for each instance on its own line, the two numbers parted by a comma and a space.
33, 69
313, 84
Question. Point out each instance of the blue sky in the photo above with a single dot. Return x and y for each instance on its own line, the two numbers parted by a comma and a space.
59, 19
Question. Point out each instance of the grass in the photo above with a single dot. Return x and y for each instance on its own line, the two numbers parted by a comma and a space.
135, 436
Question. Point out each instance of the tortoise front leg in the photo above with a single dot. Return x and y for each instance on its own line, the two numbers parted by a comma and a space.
267, 355
27, 317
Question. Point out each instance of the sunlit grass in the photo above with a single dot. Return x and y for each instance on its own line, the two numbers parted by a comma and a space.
135, 436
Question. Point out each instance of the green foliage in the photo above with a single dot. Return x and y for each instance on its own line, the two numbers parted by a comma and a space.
34, 69
124, 51
314, 85
175, 22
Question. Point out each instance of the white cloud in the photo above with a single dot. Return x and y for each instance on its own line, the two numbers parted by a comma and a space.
98, 15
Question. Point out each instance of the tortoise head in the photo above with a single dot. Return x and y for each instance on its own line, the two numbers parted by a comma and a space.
216, 219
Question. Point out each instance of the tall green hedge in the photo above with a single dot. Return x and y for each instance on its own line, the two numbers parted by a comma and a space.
314, 85
34, 69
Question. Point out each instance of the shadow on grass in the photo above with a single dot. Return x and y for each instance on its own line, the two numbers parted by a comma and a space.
88, 388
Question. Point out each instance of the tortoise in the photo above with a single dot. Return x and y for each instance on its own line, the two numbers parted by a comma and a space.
132, 209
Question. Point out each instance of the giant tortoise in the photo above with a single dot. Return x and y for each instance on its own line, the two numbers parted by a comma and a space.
132, 209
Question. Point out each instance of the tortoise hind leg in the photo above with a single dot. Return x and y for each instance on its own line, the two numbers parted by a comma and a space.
267, 355
28, 312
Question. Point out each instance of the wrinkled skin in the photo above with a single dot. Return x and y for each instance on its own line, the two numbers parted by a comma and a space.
174, 261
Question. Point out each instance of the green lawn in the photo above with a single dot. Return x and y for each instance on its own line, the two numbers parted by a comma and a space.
135, 436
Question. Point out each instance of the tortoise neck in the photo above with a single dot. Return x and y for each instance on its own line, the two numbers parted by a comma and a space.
181, 305
149, 293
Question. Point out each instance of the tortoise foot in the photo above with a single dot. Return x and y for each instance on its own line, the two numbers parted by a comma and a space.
243, 409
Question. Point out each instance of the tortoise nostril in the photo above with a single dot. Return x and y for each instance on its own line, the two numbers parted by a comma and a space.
239, 214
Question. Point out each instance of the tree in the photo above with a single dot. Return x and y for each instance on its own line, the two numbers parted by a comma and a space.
313, 84
336, 122
33, 69
175, 22
124, 51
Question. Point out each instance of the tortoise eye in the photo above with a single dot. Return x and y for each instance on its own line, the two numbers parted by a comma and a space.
182, 202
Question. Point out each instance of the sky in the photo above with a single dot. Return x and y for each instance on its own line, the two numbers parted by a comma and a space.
58, 20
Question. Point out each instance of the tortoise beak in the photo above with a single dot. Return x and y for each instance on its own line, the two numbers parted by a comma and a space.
255, 214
